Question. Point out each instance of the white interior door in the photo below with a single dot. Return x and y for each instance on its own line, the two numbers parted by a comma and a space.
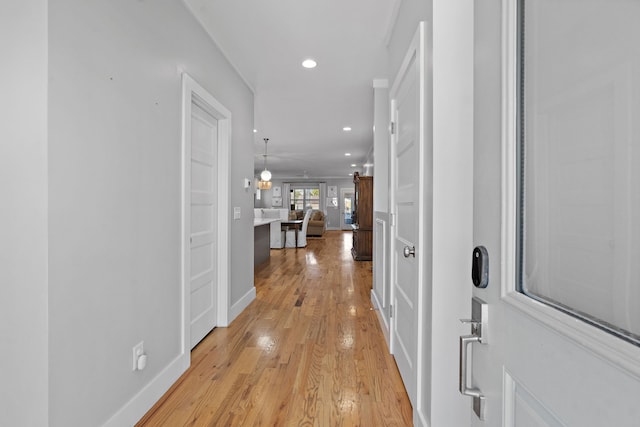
203, 233
406, 151
558, 214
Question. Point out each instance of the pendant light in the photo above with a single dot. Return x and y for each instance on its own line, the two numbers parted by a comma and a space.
265, 175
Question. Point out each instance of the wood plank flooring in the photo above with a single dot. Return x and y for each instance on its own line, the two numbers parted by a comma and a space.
307, 352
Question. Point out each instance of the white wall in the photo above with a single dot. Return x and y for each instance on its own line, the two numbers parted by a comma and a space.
23, 216
447, 290
381, 145
114, 158
333, 214
453, 202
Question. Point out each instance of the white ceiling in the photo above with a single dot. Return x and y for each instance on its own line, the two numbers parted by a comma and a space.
301, 111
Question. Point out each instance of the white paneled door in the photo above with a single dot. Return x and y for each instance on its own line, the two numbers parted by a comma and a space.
405, 229
203, 220
556, 187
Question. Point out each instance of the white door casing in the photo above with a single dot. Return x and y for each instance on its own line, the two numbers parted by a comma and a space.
540, 365
206, 138
407, 175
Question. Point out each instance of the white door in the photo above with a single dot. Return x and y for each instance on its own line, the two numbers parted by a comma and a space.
406, 150
346, 205
566, 351
203, 208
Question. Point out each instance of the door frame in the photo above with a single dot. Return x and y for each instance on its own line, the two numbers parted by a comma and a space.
343, 191
415, 49
192, 92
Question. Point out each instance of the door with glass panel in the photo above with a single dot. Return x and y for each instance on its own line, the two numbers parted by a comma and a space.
557, 213
347, 205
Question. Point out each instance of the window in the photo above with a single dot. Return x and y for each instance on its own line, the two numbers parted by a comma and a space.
304, 197
579, 150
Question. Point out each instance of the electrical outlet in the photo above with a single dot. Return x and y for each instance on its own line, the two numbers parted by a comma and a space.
138, 350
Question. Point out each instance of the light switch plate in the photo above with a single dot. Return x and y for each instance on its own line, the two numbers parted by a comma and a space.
236, 213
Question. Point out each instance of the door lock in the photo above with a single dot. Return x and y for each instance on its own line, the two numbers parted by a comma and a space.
478, 324
480, 267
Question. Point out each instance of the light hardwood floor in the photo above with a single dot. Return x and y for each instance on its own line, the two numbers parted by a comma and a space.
307, 352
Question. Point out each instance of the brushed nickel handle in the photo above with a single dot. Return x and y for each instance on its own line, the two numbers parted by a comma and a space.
478, 397
465, 340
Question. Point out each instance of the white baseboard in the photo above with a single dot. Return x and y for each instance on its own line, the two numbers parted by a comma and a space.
384, 324
419, 420
135, 408
144, 400
242, 303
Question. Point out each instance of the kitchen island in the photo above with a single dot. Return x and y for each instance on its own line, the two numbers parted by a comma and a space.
261, 239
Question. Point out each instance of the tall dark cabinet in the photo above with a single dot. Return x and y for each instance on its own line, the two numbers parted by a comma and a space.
362, 218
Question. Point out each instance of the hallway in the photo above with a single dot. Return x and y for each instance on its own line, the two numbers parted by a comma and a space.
308, 351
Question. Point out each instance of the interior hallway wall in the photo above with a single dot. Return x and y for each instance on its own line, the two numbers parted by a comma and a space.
23, 216
115, 194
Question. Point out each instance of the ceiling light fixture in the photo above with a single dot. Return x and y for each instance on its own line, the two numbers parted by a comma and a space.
346, 129
309, 63
353, 165
347, 154
265, 175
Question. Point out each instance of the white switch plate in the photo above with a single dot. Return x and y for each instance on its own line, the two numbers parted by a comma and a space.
236, 213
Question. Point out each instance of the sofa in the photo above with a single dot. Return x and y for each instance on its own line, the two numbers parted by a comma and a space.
317, 223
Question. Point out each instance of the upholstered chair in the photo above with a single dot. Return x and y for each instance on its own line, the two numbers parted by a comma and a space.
302, 233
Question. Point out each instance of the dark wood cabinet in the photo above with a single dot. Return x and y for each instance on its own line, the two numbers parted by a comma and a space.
362, 218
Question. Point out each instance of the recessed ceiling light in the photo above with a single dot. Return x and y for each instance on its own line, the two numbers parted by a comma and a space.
353, 165
350, 174
347, 154
346, 129
255, 131
309, 63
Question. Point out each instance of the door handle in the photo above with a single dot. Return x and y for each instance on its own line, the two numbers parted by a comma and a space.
465, 340
409, 251
478, 397
478, 323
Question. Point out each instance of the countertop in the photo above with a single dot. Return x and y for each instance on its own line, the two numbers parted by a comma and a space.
263, 221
